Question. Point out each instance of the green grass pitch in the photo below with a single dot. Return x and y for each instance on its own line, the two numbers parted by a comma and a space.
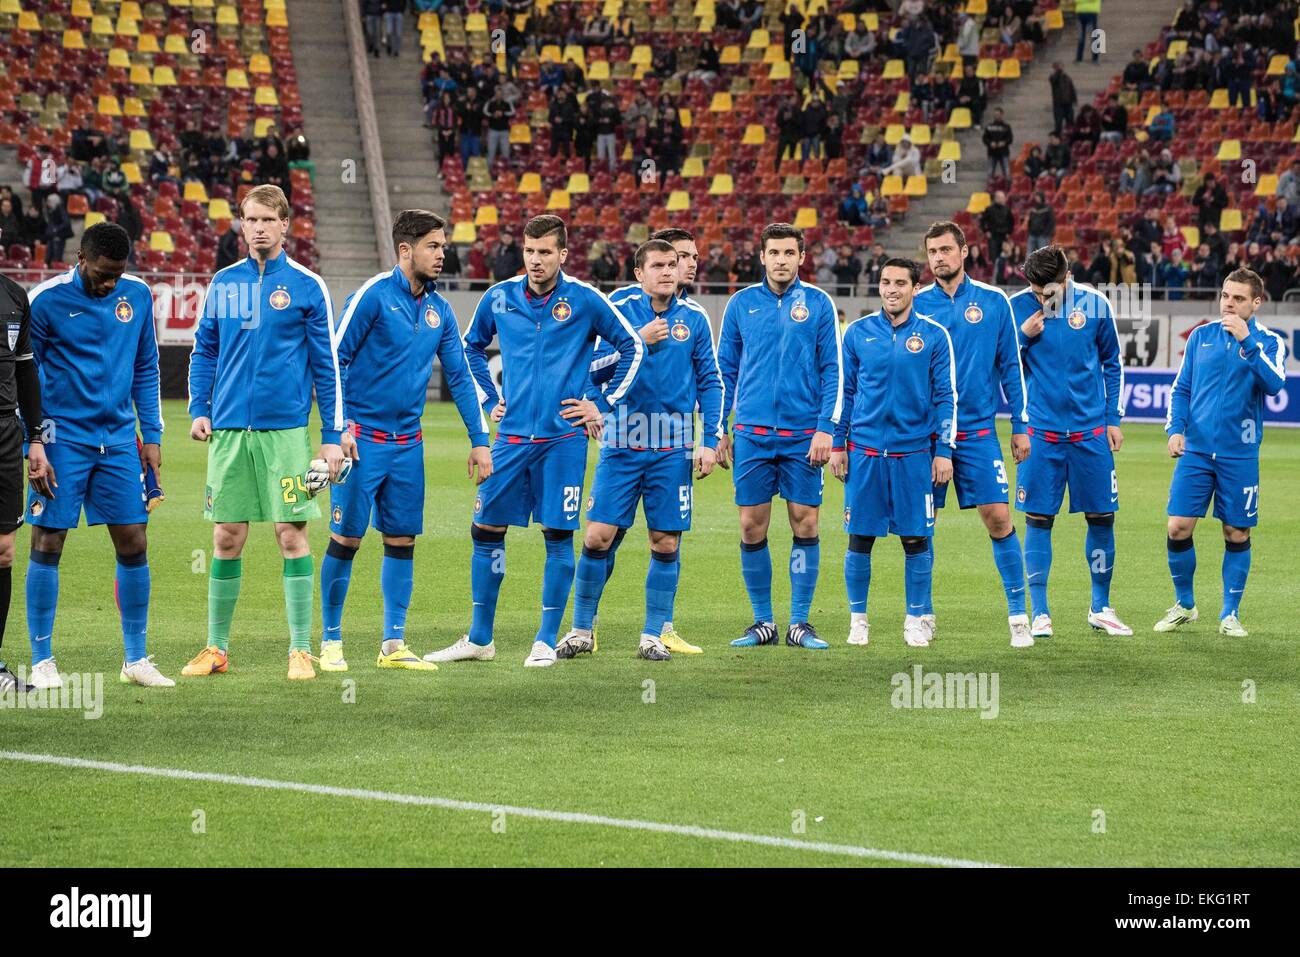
1104, 751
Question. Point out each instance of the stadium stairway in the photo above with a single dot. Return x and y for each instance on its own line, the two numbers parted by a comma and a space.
1128, 24
410, 157
345, 231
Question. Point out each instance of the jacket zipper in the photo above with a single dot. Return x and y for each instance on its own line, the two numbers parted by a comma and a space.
252, 379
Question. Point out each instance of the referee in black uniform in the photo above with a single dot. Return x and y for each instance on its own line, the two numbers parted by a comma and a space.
20, 389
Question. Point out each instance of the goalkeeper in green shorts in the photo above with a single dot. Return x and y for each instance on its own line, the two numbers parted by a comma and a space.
265, 337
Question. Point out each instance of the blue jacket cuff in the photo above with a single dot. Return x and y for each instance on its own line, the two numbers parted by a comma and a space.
330, 436
151, 436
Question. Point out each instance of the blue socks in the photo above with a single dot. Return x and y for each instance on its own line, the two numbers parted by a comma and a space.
335, 574
918, 563
1182, 568
660, 590
42, 599
1236, 566
1038, 560
857, 572
133, 602
557, 580
1011, 566
396, 578
756, 569
593, 572
486, 570
612, 551
805, 560
1099, 545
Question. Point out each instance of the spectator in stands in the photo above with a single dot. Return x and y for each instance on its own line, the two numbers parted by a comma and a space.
846, 271
550, 76
450, 268
968, 40
1278, 270
919, 42
641, 107
1087, 128
642, 142
1064, 96
7, 192
1288, 184
1041, 222
1078, 268
1034, 166
922, 95
717, 269
751, 15
478, 266
871, 266
607, 118
978, 265
499, 114
605, 270
33, 231
508, 260
1210, 199
58, 229
273, 168
1057, 156
853, 208
860, 44
394, 14
598, 31
1137, 73
1006, 270
1210, 236
823, 259
128, 217
1268, 102
747, 267
1114, 264
664, 63
727, 15
1273, 227
1114, 120
669, 140
708, 63
1166, 175
1172, 238
997, 223
879, 155
572, 74
997, 141
584, 133
373, 12
11, 224
813, 125
1148, 229
1161, 128
945, 97
1135, 177
471, 126
229, 251
832, 139
1237, 72
563, 116
446, 121
42, 174
906, 160
1172, 274
516, 43
1088, 12
879, 213
970, 94
70, 180
1289, 88
1203, 273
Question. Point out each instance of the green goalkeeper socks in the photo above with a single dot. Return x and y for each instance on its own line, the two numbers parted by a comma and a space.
223, 593
299, 583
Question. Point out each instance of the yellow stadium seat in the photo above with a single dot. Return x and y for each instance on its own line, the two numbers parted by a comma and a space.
693, 167
1175, 49
578, 183
730, 55
916, 186
986, 69
903, 103
195, 190
530, 183
220, 209
950, 150
476, 23
160, 241
80, 8
721, 185
1230, 221
265, 96
227, 16
148, 43
485, 216
641, 55
892, 186
1267, 185
133, 106
950, 54
1053, 19
1219, 99
893, 133
236, 80
977, 8
599, 70
1192, 235
612, 8
1277, 65
164, 76
1229, 150
779, 71
1009, 69
276, 18
721, 103
175, 44
893, 70
755, 135
806, 218
759, 40
262, 124
678, 201
141, 140
559, 199
521, 133
871, 21
259, 63
848, 21
849, 69
140, 75
93, 219
29, 21
73, 40
126, 27
576, 54
978, 203
774, 54
117, 57
463, 233
129, 9
684, 117
108, 106
959, 118
102, 26
131, 170
920, 134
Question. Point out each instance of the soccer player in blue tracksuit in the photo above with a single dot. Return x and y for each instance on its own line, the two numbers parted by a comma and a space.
92, 333
899, 384
646, 453
1215, 427
779, 351
1075, 392
978, 319
547, 324
388, 335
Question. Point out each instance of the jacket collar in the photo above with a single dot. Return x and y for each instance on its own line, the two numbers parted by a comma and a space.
797, 285
272, 265
399, 281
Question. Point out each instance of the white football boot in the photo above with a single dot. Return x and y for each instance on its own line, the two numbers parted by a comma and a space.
464, 650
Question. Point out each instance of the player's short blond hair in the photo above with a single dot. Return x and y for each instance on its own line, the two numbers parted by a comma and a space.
269, 196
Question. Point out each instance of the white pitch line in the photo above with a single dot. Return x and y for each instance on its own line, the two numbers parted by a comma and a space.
567, 817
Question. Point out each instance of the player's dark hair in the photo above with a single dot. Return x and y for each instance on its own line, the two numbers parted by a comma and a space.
946, 226
1046, 265
107, 241
412, 225
653, 246
902, 262
673, 234
780, 231
1250, 278
539, 227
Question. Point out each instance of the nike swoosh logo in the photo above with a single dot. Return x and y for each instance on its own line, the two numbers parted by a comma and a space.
1016, 591
550, 608
1235, 591
298, 508
872, 339
929, 524
394, 308
73, 315
478, 604
752, 311
1205, 345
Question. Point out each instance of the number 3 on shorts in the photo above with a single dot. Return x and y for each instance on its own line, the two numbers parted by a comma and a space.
1000, 471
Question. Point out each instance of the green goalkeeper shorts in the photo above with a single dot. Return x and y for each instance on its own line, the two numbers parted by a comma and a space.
258, 476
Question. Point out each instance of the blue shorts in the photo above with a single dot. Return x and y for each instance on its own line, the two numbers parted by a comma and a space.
542, 479
768, 464
1086, 466
1234, 484
385, 488
110, 484
979, 473
660, 480
889, 494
